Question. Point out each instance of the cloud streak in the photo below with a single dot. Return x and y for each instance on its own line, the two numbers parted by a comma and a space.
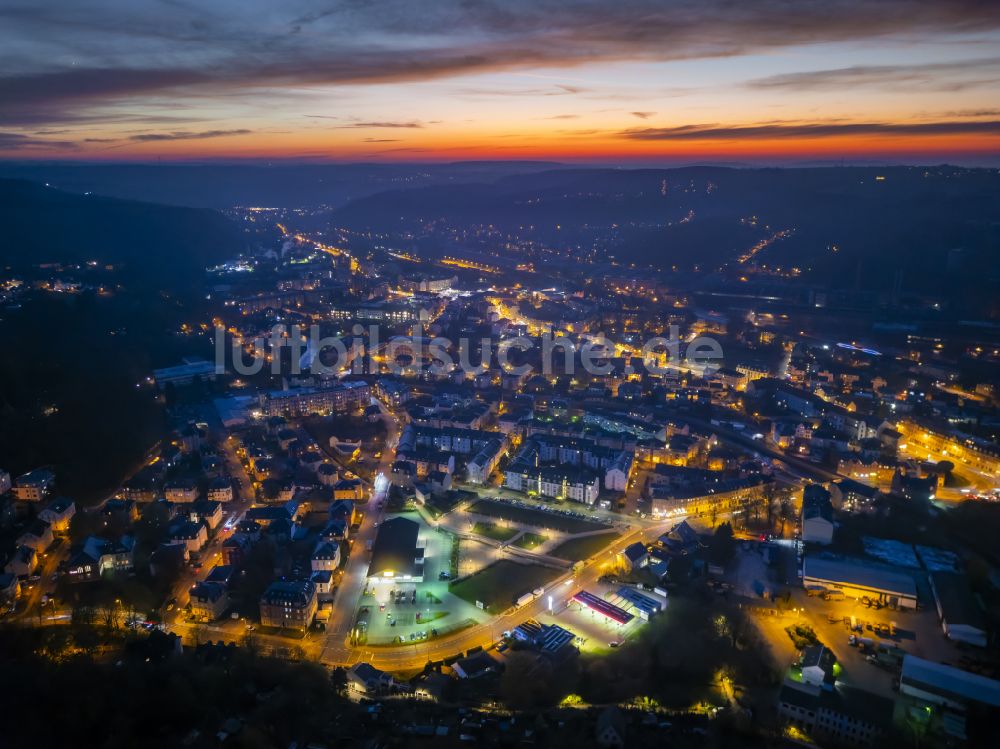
809, 130
941, 76
181, 135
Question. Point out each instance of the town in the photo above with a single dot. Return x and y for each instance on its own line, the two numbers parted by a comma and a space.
513, 373
516, 530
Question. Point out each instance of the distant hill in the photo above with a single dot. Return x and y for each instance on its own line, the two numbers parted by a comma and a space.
282, 185
850, 226
164, 243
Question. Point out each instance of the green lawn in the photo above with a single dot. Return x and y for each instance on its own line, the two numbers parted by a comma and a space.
494, 531
530, 541
582, 548
529, 516
501, 583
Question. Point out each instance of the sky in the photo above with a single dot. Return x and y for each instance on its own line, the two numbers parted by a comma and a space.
592, 81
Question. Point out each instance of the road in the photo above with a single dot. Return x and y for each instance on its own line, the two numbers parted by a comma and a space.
352, 583
211, 554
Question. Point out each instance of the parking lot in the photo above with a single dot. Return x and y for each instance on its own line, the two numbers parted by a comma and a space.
394, 612
916, 632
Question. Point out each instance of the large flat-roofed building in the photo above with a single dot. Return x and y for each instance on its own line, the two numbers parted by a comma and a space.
396, 555
946, 686
961, 617
860, 581
186, 373
336, 398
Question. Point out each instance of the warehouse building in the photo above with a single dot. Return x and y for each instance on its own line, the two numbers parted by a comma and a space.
961, 617
860, 581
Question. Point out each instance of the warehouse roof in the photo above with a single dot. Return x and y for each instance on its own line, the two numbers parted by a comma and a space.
846, 572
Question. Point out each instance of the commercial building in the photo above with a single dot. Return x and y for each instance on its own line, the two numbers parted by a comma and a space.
645, 605
944, 686
860, 581
961, 617
396, 554
186, 373
608, 610
288, 604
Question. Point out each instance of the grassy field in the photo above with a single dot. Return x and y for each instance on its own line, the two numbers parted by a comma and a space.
530, 540
494, 531
581, 548
536, 518
501, 583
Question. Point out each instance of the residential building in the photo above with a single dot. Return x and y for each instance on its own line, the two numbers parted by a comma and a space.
98, 557
38, 536
326, 556
191, 534
220, 489
842, 716
363, 678
34, 485
58, 514
181, 490
340, 397
289, 604
817, 515
22, 563
209, 601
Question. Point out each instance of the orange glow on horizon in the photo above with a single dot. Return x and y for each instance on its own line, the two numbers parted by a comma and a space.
453, 147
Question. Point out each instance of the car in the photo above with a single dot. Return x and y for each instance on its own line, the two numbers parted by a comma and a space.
614, 644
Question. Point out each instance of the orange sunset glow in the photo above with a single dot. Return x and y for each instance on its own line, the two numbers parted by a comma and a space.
575, 81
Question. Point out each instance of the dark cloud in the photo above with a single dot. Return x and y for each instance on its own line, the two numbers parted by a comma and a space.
110, 51
144, 137
382, 124
642, 115
940, 76
770, 131
22, 142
